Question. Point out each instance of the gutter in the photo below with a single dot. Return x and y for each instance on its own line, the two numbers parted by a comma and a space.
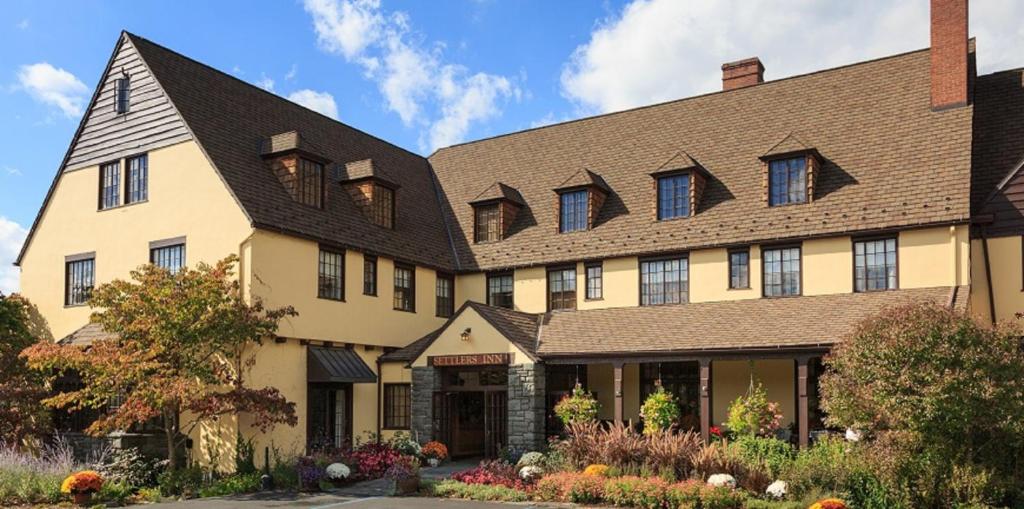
380, 392
988, 275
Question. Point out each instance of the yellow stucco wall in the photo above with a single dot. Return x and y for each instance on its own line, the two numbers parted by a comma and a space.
212, 222
530, 290
470, 287
484, 338
393, 373
619, 274
1005, 262
709, 276
934, 257
600, 381
731, 379
827, 266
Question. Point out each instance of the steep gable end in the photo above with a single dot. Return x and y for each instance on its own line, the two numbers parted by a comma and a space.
150, 121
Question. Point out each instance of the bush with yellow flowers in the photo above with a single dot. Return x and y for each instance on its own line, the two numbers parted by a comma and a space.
596, 470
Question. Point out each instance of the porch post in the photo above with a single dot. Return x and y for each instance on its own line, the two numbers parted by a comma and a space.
617, 371
705, 399
803, 423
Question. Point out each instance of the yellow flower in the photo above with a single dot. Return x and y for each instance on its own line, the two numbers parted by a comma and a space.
65, 487
596, 470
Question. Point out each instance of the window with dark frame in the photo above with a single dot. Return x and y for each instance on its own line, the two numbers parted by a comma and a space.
673, 196
110, 185
369, 275
136, 179
445, 295
787, 181
405, 288
664, 281
874, 265
572, 211
331, 275
739, 269
170, 257
487, 223
595, 281
310, 183
122, 93
781, 271
79, 279
500, 290
397, 406
382, 210
562, 288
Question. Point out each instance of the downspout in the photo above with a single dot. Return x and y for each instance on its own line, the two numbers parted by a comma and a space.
988, 274
380, 391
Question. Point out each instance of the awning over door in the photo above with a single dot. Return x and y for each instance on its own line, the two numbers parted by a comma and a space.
339, 365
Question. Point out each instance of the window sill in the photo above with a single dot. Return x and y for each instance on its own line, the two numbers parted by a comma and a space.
879, 290
82, 305
781, 296
596, 299
671, 219
385, 428
731, 289
404, 310
330, 299
123, 205
787, 204
369, 294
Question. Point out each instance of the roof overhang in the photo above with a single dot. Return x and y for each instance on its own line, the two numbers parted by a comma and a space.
336, 365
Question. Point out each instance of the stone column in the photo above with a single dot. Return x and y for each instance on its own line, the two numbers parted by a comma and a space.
425, 381
526, 402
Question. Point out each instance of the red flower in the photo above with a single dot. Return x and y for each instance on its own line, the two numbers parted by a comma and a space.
716, 431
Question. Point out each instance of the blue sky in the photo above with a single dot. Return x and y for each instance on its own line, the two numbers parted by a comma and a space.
430, 74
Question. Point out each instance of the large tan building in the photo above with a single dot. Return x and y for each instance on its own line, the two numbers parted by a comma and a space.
698, 243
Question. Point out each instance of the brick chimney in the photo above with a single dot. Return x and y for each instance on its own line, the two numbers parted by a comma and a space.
949, 53
743, 73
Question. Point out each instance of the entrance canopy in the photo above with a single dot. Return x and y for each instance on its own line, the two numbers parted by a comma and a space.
338, 365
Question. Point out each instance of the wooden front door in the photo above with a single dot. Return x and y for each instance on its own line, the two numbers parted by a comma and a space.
495, 422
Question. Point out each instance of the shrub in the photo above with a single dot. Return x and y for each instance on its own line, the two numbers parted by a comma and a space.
115, 492
232, 485
569, 487
130, 467
404, 444
621, 491
372, 459
753, 414
598, 470
531, 459
150, 495
405, 467
84, 481
495, 472
310, 473
722, 497
772, 454
578, 407
455, 489
659, 411
685, 495
182, 482
668, 451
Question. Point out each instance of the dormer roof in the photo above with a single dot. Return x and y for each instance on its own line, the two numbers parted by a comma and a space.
789, 145
583, 178
499, 191
680, 161
365, 169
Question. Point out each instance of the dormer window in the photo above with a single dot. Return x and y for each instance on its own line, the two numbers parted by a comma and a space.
372, 190
678, 187
382, 208
573, 211
310, 183
787, 181
673, 196
299, 168
494, 211
122, 91
487, 223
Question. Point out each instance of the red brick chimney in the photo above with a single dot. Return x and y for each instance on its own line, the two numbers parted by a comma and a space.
743, 73
949, 53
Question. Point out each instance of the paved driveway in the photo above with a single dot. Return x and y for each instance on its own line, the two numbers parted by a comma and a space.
331, 501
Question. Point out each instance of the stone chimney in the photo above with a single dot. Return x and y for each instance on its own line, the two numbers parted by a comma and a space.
743, 73
949, 53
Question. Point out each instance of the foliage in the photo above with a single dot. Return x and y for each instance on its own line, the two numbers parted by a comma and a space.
34, 478
245, 455
722, 497
942, 389
404, 444
772, 454
182, 482
21, 414
482, 492
310, 473
183, 344
492, 472
621, 447
659, 411
596, 469
83, 481
283, 471
372, 459
829, 503
131, 468
570, 487
435, 450
753, 414
405, 467
150, 495
338, 471
578, 407
531, 459
232, 485
115, 492
671, 454
632, 491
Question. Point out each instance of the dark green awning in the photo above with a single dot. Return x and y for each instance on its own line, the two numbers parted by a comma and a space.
338, 365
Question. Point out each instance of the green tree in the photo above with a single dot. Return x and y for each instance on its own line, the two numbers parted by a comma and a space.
21, 414
183, 343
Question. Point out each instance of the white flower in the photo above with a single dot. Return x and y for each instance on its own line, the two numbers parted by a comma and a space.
853, 435
338, 471
722, 480
530, 472
777, 489
531, 459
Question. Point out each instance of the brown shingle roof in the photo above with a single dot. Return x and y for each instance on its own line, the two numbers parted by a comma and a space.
499, 191
999, 150
85, 335
231, 119
810, 321
889, 161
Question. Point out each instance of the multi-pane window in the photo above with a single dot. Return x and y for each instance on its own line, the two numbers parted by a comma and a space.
369, 275
445, 295
309, 183
595, 281
79, 278
874, 263
331, 275
572, 211
739, 269
499, 290
673, 196
487, 223
781, 272
122, 91
664, 281
137, 179
110, 185
787, 180
562, 288
382, 209
170, 257
405, 288
397, 406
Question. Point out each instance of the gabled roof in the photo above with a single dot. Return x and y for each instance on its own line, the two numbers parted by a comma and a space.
681, 160
85, 335
790, 144
584, 178
366, 169
998, 151
499, 191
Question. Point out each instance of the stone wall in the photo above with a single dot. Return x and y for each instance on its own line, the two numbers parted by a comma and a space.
526, 407
425, 380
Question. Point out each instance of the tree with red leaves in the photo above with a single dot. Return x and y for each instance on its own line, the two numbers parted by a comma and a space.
21, 414
181, 345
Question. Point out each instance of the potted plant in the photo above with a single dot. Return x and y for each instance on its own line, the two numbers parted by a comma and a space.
435, 452
338, 473
81, 486
404, 473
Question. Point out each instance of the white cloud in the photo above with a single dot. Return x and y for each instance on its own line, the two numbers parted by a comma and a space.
11, 171
656, 50
322, 102
54, 87
12, 235
292, 72
265, 83
442, 98
23, 24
